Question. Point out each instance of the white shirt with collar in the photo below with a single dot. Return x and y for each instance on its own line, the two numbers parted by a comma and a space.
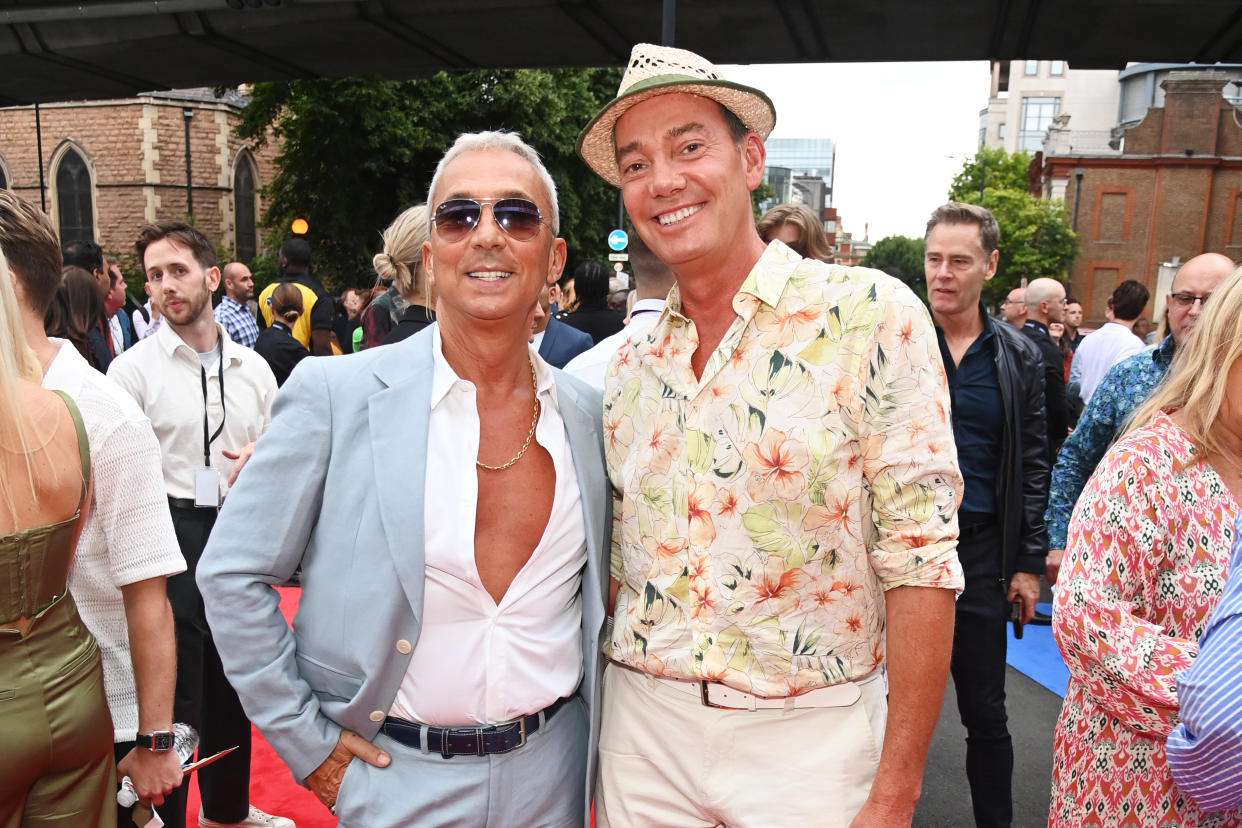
165, 377
128, 535
591, 365
1100, 350
476, 661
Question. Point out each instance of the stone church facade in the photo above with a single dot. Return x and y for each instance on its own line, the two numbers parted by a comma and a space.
111, 166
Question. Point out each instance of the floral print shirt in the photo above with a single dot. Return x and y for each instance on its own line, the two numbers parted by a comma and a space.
1126, 385
764, 508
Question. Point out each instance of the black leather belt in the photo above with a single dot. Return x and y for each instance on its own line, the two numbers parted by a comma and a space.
478, 740
181, 502
969, 524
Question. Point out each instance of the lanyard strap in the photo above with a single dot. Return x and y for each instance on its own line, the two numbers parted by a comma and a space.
207, 441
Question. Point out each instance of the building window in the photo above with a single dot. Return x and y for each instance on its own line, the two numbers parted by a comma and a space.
1037, 115
1030, 67
983, 135
1000, 130
1056, 67
243, 210
73, 199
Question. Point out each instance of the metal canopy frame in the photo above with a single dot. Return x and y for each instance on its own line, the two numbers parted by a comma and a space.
60, 50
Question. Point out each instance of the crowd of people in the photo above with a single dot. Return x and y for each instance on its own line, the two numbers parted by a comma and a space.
574, 548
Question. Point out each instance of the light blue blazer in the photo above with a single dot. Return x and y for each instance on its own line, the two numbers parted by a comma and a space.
336, 485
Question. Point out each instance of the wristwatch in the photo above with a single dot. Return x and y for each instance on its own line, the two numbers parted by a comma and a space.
157, 741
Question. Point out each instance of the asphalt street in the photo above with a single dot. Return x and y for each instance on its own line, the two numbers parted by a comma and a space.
1033, 711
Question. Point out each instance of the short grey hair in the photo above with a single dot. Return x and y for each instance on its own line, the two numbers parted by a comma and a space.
511, 141
958, 212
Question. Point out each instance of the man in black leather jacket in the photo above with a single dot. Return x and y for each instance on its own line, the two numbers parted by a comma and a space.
996, 382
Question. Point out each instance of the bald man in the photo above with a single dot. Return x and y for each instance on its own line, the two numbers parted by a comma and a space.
1013, 309
233, 312
1123, 388
1045, 302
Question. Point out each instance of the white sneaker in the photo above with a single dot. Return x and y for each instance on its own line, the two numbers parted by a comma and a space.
254, 819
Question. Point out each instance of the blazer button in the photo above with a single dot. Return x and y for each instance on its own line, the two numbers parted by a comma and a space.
403, 647
377, 715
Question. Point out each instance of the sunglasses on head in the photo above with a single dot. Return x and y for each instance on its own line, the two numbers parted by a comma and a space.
518, 217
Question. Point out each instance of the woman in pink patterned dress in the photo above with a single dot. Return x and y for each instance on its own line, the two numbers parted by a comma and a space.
1145, 565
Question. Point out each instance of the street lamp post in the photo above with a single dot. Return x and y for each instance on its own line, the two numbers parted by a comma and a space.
187, 113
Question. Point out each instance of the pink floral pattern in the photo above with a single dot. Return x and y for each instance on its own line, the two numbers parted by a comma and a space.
1148, 547
764, 508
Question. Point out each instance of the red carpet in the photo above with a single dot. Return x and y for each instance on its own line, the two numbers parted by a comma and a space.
271, 786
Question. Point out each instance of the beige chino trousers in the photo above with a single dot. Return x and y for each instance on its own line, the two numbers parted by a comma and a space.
667, 760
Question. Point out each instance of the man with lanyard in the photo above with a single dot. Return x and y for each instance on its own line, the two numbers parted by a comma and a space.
997, 386
208, 399
314, 328
1126, 384
766, 439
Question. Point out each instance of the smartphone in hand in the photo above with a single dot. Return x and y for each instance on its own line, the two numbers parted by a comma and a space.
1015, 615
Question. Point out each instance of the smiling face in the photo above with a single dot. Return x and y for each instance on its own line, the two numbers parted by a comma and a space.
956, 268
184, 286
487, 275
686, 183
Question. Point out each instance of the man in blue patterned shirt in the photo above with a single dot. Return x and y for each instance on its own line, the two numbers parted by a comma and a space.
1126, 384
232, 311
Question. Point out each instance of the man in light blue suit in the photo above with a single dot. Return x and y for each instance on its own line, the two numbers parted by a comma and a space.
446, 500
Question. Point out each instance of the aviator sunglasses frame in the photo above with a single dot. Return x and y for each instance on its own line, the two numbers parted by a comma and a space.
472, 210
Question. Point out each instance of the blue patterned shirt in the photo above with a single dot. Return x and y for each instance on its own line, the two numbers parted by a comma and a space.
1205, 749
1126, 384
237, 320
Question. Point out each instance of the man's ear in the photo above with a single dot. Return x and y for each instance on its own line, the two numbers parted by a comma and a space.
754, 154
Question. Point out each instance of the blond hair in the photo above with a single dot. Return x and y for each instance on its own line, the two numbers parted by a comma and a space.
17, 362
811, 235
401, 260
1195, 383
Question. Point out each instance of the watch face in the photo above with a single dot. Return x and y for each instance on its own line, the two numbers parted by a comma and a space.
159, 741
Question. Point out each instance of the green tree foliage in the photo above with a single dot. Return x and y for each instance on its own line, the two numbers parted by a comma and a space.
355, 152
1036, 239
900, 256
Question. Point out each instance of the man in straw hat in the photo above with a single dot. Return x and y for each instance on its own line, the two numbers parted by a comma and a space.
786, 489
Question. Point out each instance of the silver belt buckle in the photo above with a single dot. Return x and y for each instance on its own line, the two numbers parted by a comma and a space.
522, 733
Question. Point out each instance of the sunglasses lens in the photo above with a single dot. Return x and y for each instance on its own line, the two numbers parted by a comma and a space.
518, 217
457, 217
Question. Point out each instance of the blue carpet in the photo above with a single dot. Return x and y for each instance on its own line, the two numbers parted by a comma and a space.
1036, 656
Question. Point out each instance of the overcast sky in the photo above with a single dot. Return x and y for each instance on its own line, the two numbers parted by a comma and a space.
901, 130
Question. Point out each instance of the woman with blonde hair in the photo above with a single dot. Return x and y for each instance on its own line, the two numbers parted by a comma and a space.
797, 226
1149, 543
57, 762
401, 260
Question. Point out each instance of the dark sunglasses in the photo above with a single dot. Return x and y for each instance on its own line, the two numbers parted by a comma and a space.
518, 217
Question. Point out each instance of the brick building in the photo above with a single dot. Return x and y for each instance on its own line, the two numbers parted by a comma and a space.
1173, 192
111, 166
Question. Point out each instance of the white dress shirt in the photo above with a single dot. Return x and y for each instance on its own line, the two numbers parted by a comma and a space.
590, 365
127, 536
165, 377
476, 661
1099, 351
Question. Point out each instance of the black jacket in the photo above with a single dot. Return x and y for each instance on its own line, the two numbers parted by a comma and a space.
1054, 385
1022, 485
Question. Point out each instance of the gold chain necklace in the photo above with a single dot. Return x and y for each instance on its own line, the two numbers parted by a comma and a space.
534, 420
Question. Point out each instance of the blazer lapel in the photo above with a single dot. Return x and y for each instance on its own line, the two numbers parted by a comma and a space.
587, 450
398, 418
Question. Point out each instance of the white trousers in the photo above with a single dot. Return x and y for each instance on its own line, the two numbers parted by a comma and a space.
666, 760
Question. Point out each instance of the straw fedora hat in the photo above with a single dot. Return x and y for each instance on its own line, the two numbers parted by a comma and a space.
661, 70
